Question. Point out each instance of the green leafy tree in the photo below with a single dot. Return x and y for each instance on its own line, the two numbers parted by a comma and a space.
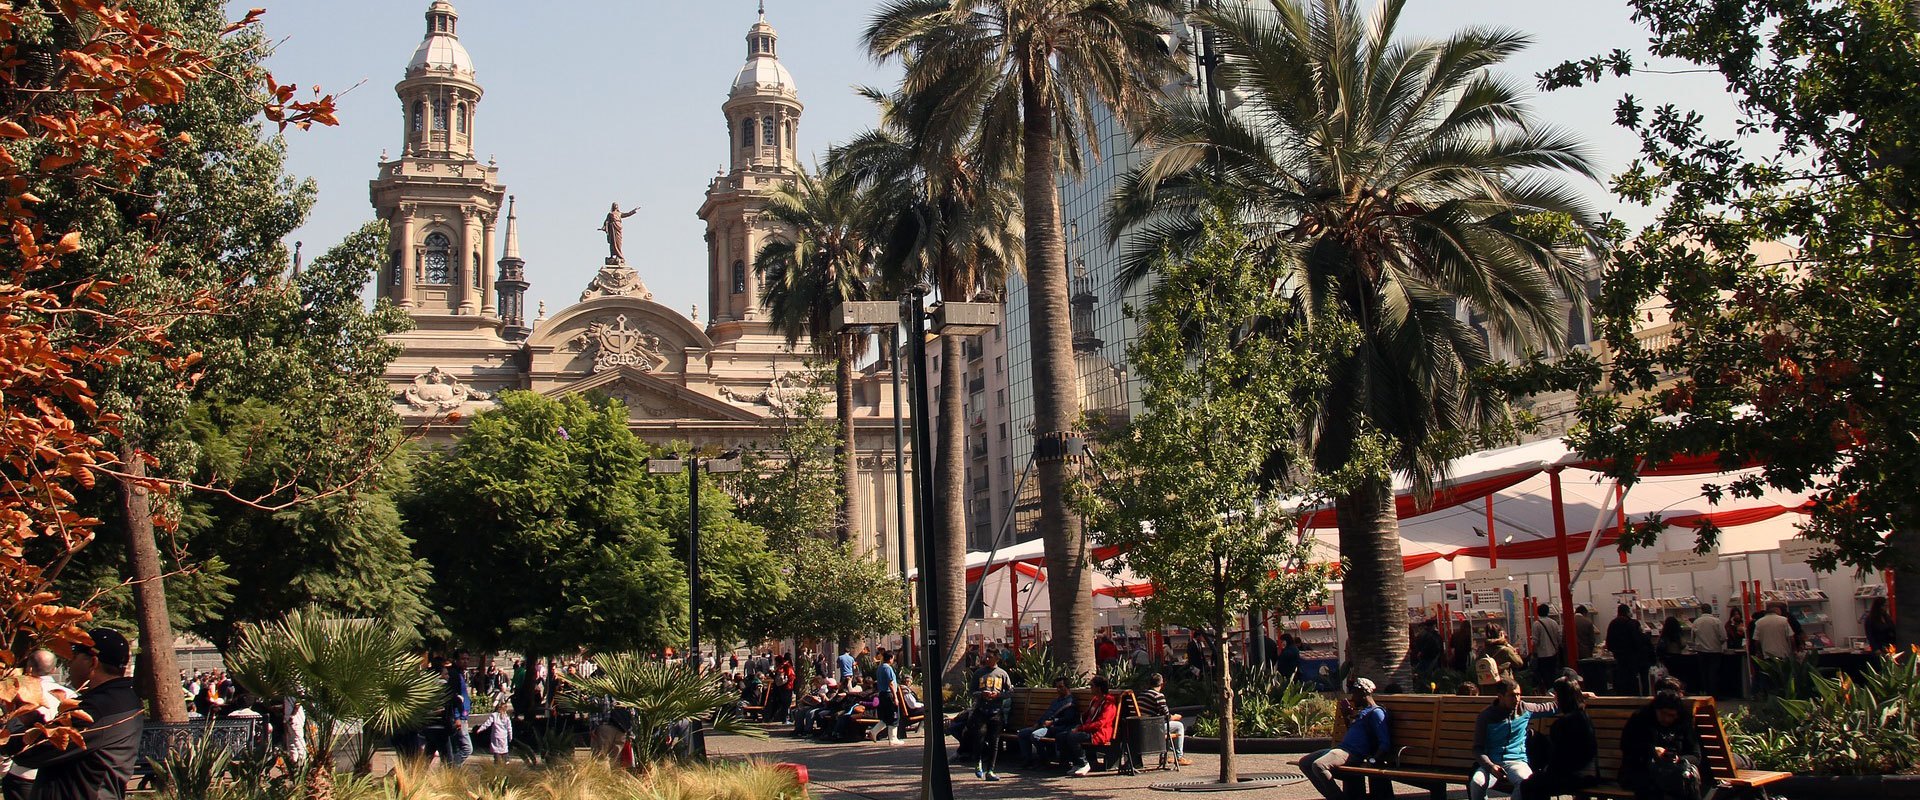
1398, 181
541, 527
837, 594
1784, 256
344, 672
1030, 74
791, 488
828, 260
740, 576
1184, 491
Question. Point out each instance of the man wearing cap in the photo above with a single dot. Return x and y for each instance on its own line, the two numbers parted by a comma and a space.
99, 768
1366, 740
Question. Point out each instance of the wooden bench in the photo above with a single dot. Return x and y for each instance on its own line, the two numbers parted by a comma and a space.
754, 710
1433, 744
1028, 708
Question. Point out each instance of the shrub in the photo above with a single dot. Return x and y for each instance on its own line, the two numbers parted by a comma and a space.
1810, 723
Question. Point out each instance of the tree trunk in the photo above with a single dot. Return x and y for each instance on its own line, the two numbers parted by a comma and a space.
1056, 388
1229, 772
1904, 544
1375, 582
157, 670
849, 453
950, 519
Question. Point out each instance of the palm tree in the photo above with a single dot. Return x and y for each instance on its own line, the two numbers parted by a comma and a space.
1400, 182
344, 673
828, 261
1029, 74
659, 695
950, 218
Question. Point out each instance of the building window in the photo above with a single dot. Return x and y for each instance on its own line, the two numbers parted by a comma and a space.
1003, 431
440, 113
771, 131
739, 277
460, 118
476, 274
419, 116
1000, 397
746, 135
999, 364
436, 259
397, 261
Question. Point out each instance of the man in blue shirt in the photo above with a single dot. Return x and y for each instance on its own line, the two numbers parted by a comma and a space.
845, 662
1061, 716
459, 707
883, 678
1367, 739
1500, 741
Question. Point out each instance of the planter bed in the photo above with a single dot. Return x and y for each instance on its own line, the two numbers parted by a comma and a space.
1241, 744
1839, 787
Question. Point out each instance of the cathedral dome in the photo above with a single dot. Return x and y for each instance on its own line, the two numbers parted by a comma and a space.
760, 74
441, 50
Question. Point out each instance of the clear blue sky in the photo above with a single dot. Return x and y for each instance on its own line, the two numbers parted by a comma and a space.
595, 101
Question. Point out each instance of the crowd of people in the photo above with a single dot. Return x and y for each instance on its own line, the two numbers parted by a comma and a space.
1660, 751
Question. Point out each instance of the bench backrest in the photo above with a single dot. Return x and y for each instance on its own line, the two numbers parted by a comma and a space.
1030, 705
1436, 731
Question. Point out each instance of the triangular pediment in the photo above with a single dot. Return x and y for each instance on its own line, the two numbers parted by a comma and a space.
650, 398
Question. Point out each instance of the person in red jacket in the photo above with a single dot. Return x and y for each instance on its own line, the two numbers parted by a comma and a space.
1103, 716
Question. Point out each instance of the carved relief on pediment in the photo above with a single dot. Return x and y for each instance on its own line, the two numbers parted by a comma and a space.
439, 391
615, 343
782, 395
645, 405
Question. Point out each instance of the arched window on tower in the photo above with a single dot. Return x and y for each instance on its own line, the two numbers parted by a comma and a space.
437, 263
746, 135
440, 113
789, 134
419, 116
739, 277
476, 270
772, 132
460, 118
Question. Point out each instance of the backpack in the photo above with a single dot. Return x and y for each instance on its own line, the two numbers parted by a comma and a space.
1485, 670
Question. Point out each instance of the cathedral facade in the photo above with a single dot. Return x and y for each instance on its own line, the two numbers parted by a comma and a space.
721, 383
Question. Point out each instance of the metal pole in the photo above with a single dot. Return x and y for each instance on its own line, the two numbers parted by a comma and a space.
900, 497
935, 782
693, 560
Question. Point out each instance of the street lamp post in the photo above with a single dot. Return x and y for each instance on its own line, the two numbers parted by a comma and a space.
694, 465
948, 318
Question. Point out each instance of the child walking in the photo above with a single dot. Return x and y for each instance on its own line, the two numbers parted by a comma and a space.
501, 723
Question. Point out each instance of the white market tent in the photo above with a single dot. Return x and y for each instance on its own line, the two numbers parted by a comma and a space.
1508, 493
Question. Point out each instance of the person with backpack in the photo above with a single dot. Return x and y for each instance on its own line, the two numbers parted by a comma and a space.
1498, 659
1572, 745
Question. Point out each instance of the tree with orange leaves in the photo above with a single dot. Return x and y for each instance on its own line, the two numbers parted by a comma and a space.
127, 130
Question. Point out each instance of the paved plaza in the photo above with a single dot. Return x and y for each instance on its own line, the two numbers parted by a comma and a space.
850, 770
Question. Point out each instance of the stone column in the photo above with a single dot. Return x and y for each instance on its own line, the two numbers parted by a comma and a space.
489, 305
749, 235
404, 297
470, 247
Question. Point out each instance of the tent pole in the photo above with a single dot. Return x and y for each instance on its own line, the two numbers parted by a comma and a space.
1566, 571
1493, 542
1013, 593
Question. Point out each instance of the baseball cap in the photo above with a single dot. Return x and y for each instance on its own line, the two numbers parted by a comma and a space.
109, 645
1360, 685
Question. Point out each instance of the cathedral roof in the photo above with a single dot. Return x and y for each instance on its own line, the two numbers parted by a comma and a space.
763, 70
441, 50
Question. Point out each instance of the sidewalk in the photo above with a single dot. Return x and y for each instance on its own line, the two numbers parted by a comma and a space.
870, 771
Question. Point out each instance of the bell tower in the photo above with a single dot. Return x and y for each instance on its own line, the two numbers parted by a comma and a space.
763, 121
439, 202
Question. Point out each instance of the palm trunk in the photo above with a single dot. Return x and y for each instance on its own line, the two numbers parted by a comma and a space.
950, 520
849, 453
157, 670
1056, 394
1375, 580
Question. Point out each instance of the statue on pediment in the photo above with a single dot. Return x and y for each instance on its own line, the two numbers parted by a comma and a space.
616, 344
439, 391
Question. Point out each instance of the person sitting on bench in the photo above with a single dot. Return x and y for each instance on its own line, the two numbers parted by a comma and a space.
1367, 739
1103, 717
1500, 741
1153, 703
1060, 717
